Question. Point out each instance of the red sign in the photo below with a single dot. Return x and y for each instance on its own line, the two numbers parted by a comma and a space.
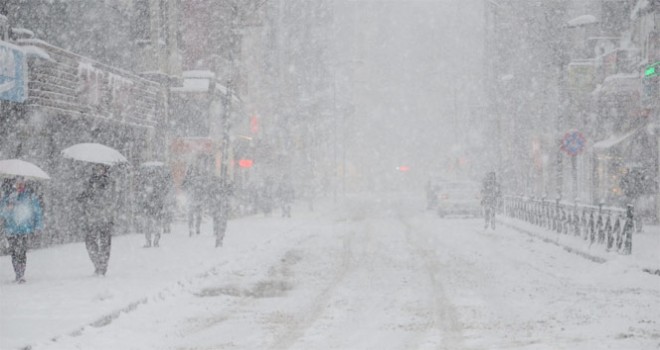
245, 163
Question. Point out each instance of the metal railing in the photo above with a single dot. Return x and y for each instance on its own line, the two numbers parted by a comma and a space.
609, 226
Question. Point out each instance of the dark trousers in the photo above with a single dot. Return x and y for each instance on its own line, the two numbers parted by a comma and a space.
219, 225
98, 240
194, 218
286, 210
153, 227
18, 251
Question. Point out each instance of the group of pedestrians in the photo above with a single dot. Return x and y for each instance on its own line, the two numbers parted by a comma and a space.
207, 193
22, 210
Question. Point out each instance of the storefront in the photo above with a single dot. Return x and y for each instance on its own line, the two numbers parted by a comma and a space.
73, 99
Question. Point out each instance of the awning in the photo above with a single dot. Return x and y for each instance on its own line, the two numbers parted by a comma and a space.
614, 140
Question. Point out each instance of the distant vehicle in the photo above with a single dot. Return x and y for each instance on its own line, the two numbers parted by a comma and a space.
432, 187
459, 198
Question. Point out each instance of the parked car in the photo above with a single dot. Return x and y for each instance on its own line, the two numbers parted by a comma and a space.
459, 198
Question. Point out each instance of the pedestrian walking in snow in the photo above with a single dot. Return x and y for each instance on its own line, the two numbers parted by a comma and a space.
490, 197
266, 197
286, 194
169, 203
21, 214
98, 206
195, 188
152, 195
221, 192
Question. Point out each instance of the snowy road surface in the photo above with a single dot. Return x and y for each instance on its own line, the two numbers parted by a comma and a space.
375, 274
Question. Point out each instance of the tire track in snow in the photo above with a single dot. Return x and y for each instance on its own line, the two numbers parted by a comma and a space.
297, 329
445, 316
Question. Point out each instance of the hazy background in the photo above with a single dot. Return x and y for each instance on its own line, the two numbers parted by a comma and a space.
411, 71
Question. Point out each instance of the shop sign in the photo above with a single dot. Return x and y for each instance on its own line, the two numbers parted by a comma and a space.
13, 77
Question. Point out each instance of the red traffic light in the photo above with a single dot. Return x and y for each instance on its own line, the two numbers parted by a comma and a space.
403, 168
245, 163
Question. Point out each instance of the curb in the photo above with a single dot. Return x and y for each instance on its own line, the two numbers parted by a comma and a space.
596, 259
572, 250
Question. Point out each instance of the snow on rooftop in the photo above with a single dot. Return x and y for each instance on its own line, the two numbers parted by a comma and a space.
193, 85
621, 77
614, 140
32, 41
200, 74
23, 31
582, 20
584, 62
37, 52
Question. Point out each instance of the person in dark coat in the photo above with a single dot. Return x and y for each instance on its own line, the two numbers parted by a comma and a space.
169, 202
153, 205
194, 186
21, 214
490, 197
98, 206
266, 197
221, 192
285, 194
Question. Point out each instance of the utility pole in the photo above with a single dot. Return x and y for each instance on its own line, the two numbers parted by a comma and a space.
234, 41
235, 19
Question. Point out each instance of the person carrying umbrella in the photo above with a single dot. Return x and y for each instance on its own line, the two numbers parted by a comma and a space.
98, 205
22, 215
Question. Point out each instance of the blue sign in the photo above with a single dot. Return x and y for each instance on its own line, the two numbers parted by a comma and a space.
573, 143
13, 73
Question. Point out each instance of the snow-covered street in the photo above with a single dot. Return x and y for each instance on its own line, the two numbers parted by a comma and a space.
372, 273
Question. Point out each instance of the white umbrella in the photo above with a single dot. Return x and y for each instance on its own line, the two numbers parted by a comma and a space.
94, 153
17, 167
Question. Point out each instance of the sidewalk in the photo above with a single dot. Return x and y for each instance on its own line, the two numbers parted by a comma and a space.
645, 245
62, 296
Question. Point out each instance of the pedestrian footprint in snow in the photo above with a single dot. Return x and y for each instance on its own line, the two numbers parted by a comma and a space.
21, 214
98, 203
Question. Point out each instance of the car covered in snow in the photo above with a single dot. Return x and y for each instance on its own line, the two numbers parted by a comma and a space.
458, 198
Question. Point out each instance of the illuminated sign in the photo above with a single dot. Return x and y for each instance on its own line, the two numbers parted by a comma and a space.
652, 70
245, 163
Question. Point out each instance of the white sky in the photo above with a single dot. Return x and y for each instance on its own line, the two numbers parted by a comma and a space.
415, 68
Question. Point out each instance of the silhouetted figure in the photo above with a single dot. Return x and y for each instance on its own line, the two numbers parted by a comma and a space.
99, 205
221, 192
194, 186
285, 194
490, 197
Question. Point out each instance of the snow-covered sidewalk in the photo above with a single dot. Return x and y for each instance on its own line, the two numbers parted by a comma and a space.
645, 251
62, 294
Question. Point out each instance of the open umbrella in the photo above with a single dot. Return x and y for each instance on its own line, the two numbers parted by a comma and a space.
17, 167
94, 153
